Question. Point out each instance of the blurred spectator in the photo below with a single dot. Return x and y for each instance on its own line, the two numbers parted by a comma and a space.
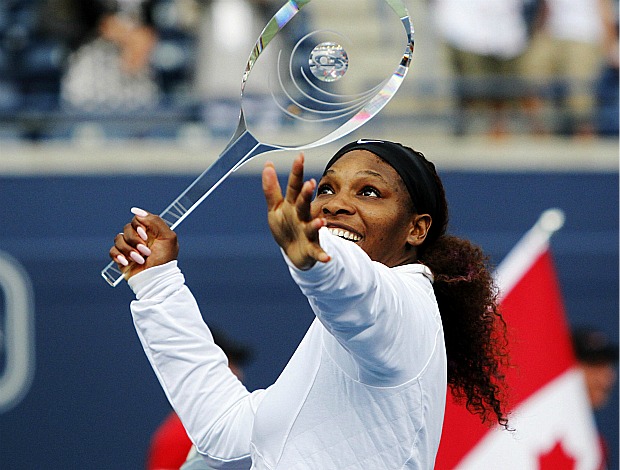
30, 62
608, 103
565, 58
485, 39
170, 444
598, 358
111, 42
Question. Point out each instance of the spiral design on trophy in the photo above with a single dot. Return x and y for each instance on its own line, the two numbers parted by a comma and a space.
307, 86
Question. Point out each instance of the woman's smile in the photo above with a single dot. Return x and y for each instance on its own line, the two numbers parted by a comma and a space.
364, 200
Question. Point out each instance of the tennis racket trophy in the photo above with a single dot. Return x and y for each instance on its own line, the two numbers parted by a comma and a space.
321, 81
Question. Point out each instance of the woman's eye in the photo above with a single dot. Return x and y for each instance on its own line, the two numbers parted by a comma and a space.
369, 191
324, 189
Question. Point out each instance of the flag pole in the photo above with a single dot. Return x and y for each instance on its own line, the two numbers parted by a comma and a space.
533, 243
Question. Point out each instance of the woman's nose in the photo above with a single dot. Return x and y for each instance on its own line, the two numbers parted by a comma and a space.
338, 204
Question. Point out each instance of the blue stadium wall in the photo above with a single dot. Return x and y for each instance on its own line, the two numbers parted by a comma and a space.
94, 401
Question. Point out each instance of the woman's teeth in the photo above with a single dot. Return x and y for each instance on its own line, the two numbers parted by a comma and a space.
344, 234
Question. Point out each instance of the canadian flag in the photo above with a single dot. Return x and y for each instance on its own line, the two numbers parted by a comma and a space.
553, 422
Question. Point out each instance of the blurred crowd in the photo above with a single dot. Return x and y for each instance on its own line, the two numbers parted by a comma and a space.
554, 60
552, 64
64, 62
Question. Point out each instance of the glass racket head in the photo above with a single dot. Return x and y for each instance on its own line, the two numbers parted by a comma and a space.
316, 79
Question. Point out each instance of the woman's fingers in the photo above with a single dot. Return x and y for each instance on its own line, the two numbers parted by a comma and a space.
149, 227
304, 199
123, 253
118, 257
129, 246
295, 180
295, 206
290, 218
271, 186
321, 256
146, 241
298, 193
139, 212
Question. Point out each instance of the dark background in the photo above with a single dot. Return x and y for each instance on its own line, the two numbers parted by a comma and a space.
94, 401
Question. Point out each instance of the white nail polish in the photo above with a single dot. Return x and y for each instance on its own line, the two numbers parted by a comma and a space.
142, 233
136, 257
145, 250
139, 212
122, 260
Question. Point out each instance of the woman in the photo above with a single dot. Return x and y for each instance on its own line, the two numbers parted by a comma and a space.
366, 387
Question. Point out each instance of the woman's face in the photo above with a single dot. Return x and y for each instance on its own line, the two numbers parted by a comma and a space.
364, 200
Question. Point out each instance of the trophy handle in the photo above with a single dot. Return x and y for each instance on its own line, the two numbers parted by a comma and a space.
240, 150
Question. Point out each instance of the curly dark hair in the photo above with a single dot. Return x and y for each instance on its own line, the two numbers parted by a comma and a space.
474, 329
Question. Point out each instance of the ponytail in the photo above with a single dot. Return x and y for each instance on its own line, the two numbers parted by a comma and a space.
474, 330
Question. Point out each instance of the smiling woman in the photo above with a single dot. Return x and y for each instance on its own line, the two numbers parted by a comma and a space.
402, 311
360, 193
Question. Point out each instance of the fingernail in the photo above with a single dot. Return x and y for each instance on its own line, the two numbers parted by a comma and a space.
121, 259
136, 257
145, 250
139, 212
142, 234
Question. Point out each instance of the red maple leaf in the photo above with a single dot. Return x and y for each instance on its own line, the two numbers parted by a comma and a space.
556, 459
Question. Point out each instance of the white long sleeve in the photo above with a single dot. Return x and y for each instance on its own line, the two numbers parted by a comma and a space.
367, 306
215, 408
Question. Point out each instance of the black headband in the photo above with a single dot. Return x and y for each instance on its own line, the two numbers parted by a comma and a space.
411, 167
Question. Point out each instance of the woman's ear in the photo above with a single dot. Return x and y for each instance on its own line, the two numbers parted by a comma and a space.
420, 225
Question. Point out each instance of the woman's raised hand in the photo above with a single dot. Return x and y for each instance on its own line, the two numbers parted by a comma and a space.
145, 242
289, 217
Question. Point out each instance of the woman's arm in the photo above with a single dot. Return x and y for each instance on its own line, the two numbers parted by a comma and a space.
376, 315
215, 408
387, 321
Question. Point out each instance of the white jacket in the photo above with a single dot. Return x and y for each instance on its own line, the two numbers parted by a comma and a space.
365, 389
